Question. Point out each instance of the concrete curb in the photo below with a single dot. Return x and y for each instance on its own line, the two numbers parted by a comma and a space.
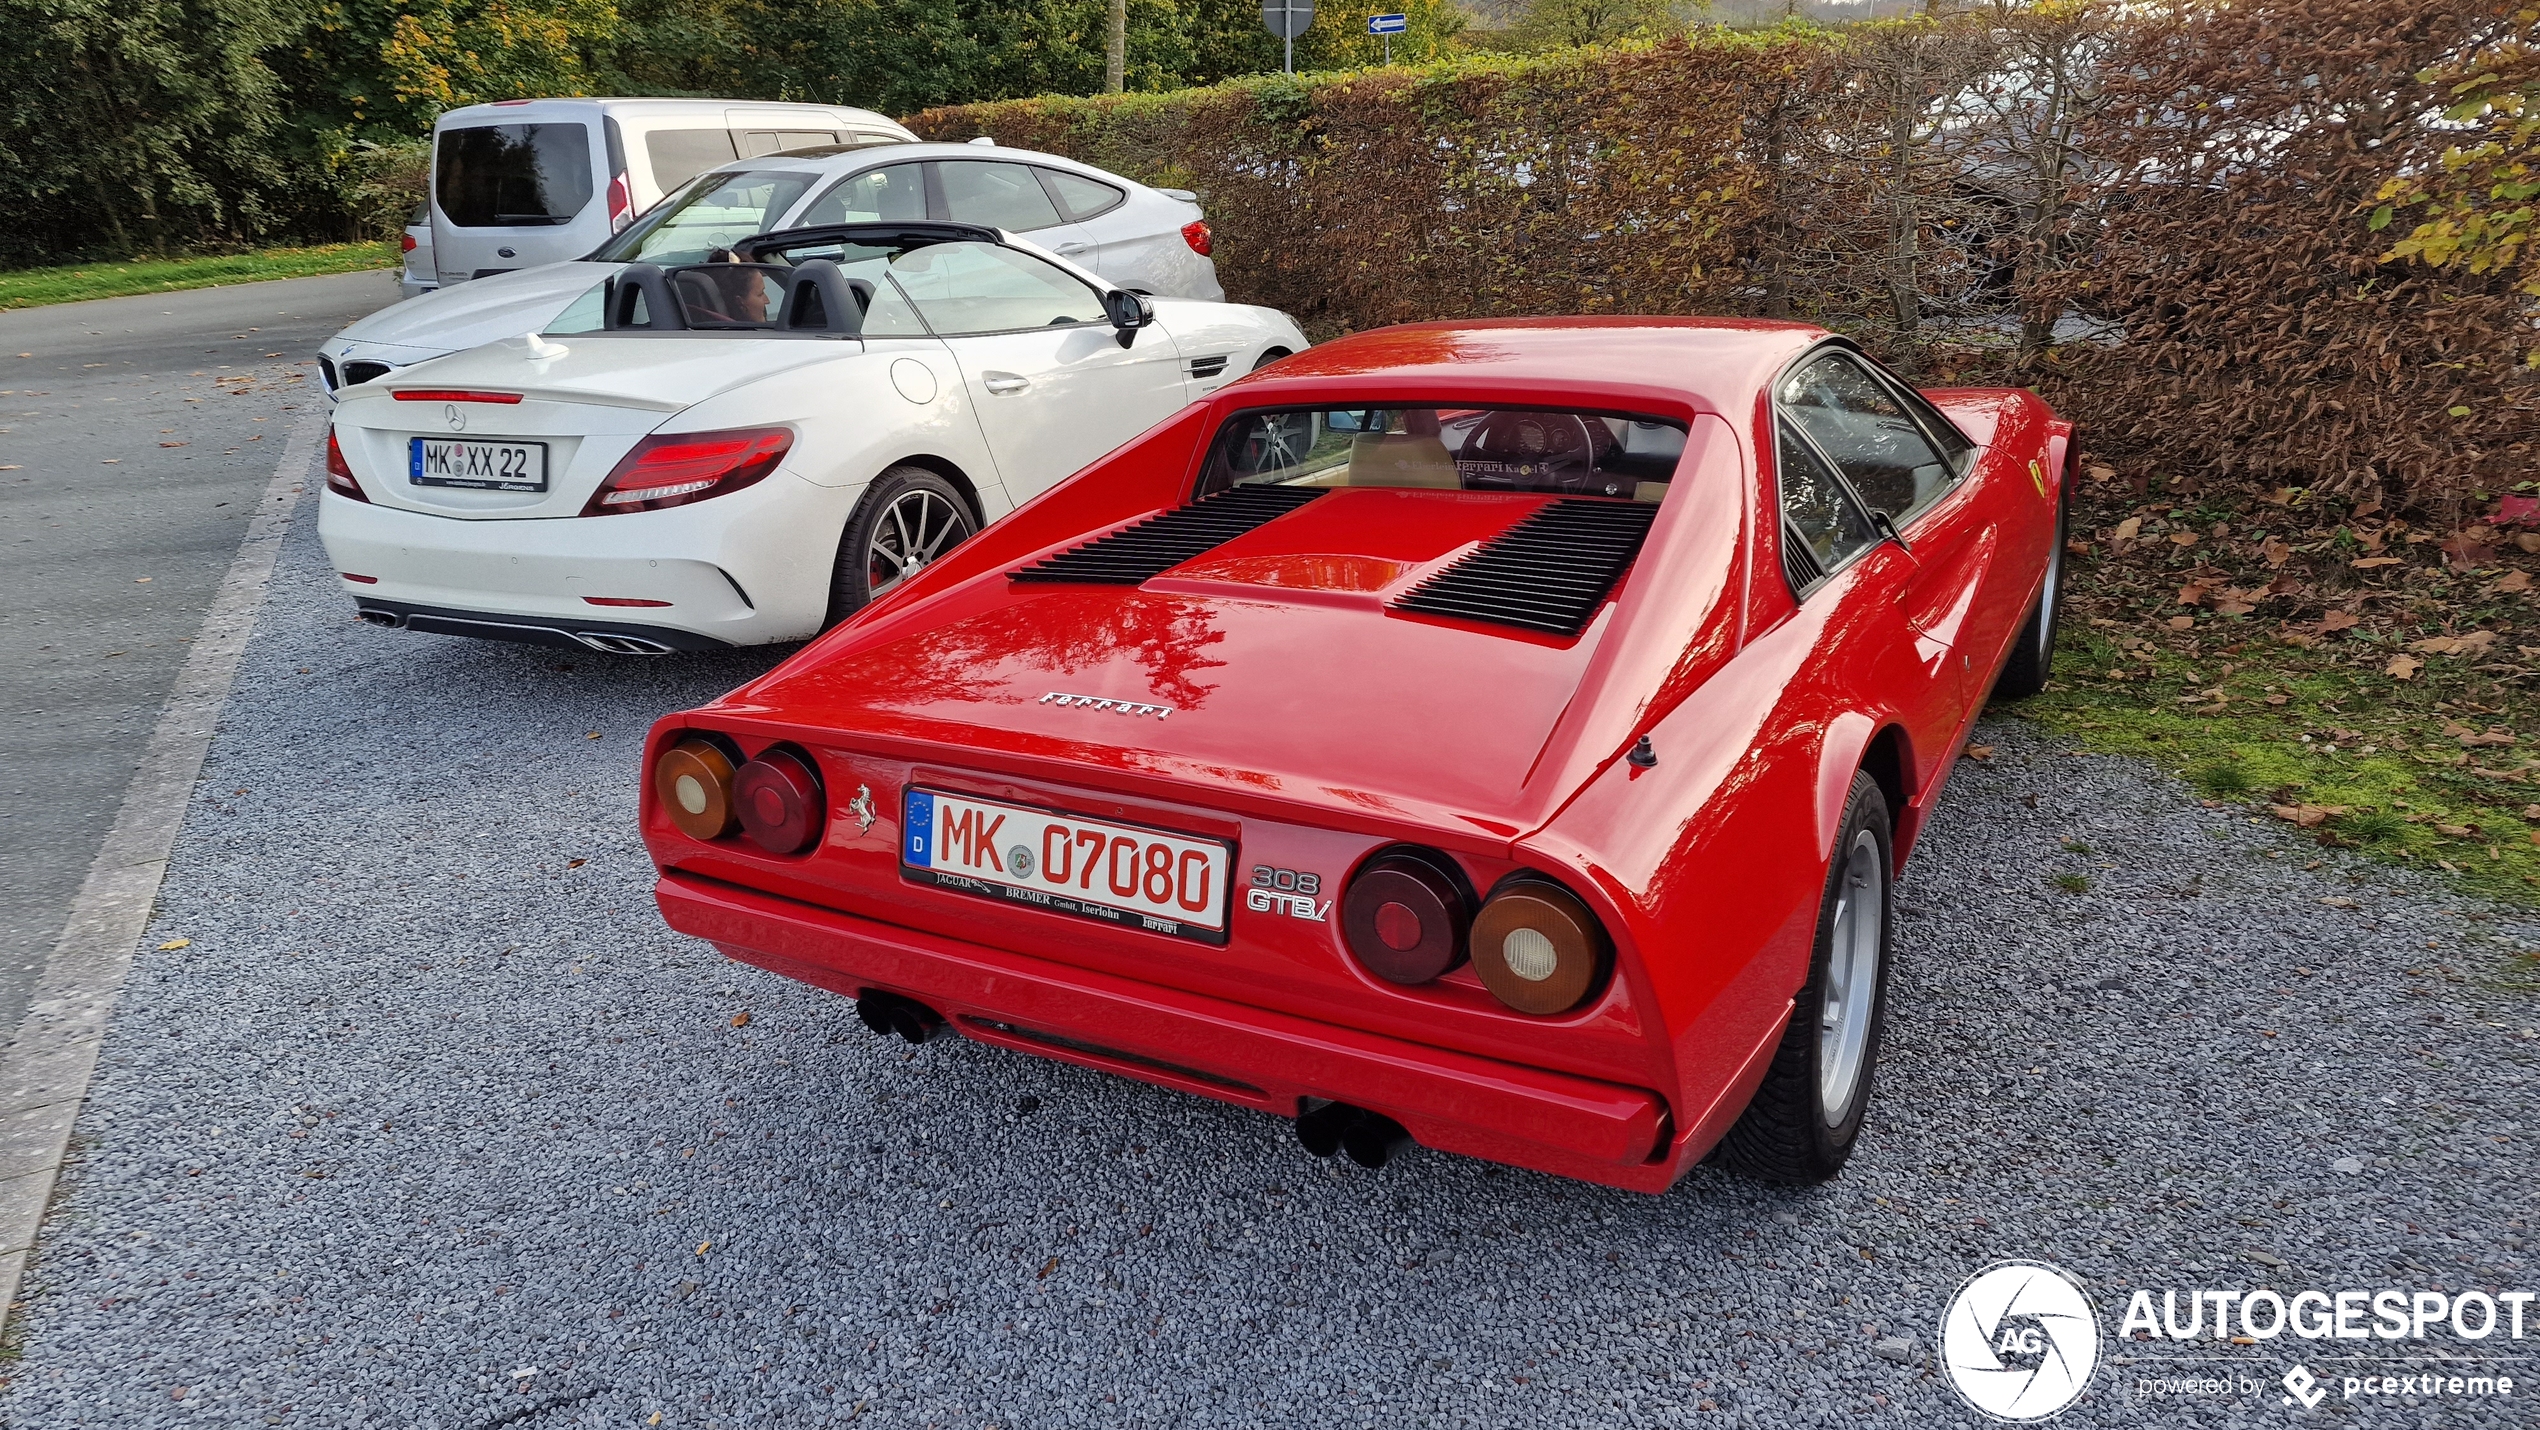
44, 1069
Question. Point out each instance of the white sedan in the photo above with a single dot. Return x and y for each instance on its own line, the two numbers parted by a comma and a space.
721, 454
1148, 240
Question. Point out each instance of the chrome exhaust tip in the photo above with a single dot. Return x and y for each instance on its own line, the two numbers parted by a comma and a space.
616, 644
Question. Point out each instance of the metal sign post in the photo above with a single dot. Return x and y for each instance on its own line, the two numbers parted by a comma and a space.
1288, 19
1388, 26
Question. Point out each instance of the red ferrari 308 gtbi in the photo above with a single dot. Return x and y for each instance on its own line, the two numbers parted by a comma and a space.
1500, 736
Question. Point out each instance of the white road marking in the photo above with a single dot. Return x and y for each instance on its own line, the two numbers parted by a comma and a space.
45, 1067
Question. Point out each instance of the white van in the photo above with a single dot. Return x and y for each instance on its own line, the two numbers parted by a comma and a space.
523, 182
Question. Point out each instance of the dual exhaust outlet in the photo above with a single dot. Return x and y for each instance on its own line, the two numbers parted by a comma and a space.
1325, 1128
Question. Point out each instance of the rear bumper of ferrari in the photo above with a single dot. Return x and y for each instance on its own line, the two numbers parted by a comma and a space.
1455, 1102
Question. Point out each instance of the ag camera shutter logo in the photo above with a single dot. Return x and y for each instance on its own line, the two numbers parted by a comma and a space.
2019, 1341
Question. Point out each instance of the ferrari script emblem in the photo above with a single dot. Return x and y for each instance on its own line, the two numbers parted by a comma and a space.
1116, 707
862, 808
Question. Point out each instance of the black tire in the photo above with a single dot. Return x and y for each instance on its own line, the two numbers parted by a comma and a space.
2032, 656
1786, 1134
1268, 356
900, 499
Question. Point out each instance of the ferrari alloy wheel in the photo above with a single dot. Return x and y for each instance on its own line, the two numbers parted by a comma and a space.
1807, 1113
1853, 954
908, 518
2024, 673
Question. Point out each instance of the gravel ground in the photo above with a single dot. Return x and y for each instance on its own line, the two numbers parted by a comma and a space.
434, 1124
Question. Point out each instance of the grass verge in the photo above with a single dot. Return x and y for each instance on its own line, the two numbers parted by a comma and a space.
2346, 677
36, 287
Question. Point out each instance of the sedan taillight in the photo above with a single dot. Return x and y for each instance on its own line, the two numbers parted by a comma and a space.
675, 469
1196, 234
339, 473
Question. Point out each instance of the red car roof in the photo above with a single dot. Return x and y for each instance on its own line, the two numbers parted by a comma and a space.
1634, 361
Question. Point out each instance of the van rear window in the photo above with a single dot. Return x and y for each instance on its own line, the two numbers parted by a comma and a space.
513, 175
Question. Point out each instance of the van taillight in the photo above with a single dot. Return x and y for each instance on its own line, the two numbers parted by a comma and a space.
405, 243
621, 204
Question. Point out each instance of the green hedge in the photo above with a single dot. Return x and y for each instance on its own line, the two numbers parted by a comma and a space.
2160, 217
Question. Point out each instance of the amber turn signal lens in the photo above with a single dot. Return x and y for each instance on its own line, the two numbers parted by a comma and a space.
1537, 948
1404, 918
694, 782
777, 797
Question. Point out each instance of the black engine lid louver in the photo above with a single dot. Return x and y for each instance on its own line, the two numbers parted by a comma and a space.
1547, 573
1140, 552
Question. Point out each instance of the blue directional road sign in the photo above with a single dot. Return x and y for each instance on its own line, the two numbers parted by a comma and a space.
1387, 24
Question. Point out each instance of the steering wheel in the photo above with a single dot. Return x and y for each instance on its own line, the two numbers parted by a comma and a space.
1556, 445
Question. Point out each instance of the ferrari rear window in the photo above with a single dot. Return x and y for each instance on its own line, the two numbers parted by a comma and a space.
1472, 449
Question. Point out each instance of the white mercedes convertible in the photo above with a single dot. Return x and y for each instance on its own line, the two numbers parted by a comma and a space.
724, 454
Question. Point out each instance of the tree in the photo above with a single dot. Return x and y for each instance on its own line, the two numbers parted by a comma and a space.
128, 129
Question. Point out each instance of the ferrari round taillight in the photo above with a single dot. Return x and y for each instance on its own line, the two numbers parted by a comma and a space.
1537, 948
694, 782
1404, 916
777, 797
339, 473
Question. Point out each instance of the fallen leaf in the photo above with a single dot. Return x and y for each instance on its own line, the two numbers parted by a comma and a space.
2339, 620
1046, 1268
2230, 606
2182, 623
2366, 563
171, 444
2512, 581
2466, 552
2337, 902
2403, 667
2367, 506
2099, 473
2184, 538
2274, 550
701, 1247
2529, 541
2191, 595
2278, 699
172, 945
2509, 510
2129, 529
2488, 737
592, 736
1979, 752
741, 1019
2308, 816
575, 863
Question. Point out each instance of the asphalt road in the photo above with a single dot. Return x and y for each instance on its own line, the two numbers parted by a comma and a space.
434, 1124
135, 434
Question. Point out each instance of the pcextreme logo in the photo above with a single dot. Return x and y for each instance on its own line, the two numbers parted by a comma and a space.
2019, 1341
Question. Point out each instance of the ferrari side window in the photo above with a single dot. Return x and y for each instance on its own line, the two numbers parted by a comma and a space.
1819, 510
1868, 433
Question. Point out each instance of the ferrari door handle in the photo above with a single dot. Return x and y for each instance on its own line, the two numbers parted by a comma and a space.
1003, 383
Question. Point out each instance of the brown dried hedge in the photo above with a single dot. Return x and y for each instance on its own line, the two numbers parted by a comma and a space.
2157, 217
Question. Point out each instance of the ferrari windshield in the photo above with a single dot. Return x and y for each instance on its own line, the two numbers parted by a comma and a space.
701, 222
1473, 449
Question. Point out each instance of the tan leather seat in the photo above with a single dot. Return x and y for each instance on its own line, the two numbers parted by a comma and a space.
1400, 460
